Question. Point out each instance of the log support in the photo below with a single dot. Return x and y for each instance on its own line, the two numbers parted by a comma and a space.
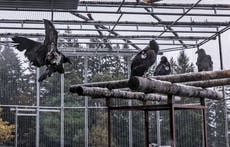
198, 79
156, 86
183, 85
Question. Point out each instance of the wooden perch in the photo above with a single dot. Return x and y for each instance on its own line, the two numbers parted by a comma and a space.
197, 76
163, 87
108, 84
97, 92
209, 83
187, 77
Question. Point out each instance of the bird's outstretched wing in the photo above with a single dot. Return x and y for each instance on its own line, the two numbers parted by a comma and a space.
34, 51
23, 43
51, 35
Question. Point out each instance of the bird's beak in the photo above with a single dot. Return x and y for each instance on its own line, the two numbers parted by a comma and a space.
196, 52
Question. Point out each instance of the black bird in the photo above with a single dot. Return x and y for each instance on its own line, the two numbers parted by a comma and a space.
40, 54
163, 68
144, 59
204, 61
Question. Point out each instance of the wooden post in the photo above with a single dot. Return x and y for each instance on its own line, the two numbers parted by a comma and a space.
205, 132
164, 87
171, 102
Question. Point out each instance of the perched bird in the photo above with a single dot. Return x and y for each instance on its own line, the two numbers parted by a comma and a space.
43, 54
144, 59
163, 68
204, 61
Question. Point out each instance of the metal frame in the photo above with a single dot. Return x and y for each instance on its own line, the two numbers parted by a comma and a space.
194, 30
171, 106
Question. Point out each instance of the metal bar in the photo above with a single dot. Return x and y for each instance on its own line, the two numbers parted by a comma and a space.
150, 13
186, 106
101, 49
119, 8
130, 112
26, 114
169, 28
32, 35
158, 128
155, 5
223, 90
205, 131
146, 120
16, 128
113, 32
37, 108
106, 30
121, 23
176, 21
62, 139
215, 35
172, 121
126, 5
86, 103
146, 107
109, 122
47, 107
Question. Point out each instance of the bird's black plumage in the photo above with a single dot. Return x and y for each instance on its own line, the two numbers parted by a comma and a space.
46, 53
204, 61
163, 68
144, 59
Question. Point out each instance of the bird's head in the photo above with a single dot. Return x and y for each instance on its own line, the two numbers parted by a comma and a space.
164, 59
200, 52
154, 46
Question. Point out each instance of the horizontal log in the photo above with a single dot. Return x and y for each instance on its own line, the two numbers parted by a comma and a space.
108, 84
197, 76
164, 87
187, 77
97, 92
209, 83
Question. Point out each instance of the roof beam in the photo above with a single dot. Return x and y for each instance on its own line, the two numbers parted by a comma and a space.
138, 37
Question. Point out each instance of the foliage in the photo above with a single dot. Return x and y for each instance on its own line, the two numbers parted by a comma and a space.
182, 65
6, 130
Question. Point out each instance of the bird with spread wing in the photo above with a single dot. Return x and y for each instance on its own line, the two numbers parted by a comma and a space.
204, 61
43, 54
144, 59
163, 68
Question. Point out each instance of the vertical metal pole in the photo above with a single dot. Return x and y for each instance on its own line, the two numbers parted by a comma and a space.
130, 112
62, 111
38, 105
223, 90
52, 11
86, 103
146, 118
205, 132
16, 127
172, 121
109, 122
158, 128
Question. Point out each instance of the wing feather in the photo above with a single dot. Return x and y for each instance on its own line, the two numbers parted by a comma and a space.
51, 35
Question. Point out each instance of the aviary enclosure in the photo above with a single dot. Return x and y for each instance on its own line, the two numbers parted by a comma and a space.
94, 104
